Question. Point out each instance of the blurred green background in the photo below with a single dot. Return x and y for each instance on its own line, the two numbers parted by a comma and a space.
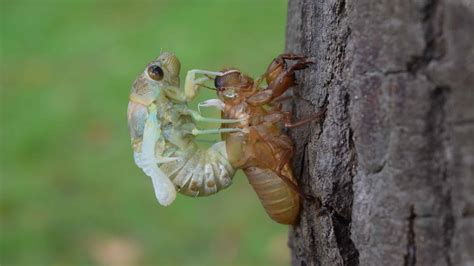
70, 192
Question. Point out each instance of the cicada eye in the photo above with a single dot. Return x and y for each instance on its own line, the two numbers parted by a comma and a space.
230, 94
155, 72
218, 83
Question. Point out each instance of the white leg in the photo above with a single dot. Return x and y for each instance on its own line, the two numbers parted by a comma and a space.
212, 103
191, 84
215, 131
197, 117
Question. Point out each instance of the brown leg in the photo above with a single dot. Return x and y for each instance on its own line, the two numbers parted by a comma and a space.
277, 107
316, 117
282, 83
301, 65
282, 99
278, 66
286, 78
260, 98
291, 56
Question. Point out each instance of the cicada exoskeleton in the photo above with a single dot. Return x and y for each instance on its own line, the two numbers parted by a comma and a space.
262, 149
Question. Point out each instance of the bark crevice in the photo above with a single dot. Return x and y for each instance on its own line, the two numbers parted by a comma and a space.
342, 222
410, 256
432, 34
437, 131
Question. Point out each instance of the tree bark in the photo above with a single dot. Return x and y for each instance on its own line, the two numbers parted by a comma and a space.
391, 165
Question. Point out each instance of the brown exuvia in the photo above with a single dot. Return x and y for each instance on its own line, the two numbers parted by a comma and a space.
263, 150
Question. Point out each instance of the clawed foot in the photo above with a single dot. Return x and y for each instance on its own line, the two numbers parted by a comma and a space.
301, 65
192, 83
212, 103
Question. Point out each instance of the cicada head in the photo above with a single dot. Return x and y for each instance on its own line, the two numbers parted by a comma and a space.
161, 72
164, 70
233, 86
171, 67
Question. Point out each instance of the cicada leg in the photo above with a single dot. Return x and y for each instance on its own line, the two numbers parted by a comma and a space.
286, 78
199, 118
279, 64
279, 78
289, 124
215, 131
191, 84
212, 103
282, 99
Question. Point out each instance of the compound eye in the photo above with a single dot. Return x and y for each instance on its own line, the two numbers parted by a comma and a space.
230, 93
218, 83
155, 72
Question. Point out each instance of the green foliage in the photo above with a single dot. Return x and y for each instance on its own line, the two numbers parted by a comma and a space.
70, 192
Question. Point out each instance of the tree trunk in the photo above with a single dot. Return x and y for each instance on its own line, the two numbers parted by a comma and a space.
391, 165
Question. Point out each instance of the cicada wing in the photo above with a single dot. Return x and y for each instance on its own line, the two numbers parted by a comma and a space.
165, 191
136, 115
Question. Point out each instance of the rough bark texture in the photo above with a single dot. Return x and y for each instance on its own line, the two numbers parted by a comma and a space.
391, 166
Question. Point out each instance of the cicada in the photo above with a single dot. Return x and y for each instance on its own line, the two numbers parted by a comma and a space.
163, 131
262, 149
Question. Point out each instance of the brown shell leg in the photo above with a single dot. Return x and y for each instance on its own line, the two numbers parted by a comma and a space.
260, 98
282, 99
289, 124
279, 65
279, 78
286, 78
291, 56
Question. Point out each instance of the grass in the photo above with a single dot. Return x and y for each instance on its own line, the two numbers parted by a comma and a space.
70, 192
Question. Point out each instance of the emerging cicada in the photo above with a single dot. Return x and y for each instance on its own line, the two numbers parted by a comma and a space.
262, 150
163, 131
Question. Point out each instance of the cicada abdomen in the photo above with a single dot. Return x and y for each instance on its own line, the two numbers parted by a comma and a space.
200, 172
280, 200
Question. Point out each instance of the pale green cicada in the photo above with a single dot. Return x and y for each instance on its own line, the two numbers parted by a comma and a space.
163, 131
